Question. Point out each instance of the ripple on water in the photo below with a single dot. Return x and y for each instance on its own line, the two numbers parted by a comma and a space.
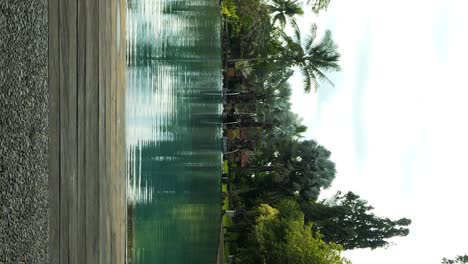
173, 133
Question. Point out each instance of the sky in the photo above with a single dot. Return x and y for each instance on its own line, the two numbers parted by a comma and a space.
396, 120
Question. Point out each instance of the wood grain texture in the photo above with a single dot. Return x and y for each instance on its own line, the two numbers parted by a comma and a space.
104, 74
87, 215
54, 133
121, 208
92, 132
112, 136
64, 131
102, 47
81, 125
71, 145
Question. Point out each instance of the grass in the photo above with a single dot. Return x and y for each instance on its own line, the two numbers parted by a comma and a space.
227, 221
225, 169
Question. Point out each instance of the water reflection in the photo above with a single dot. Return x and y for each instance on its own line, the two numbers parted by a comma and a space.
173, 130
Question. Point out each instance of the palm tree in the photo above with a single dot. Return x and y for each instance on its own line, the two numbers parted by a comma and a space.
281, 9
312, 57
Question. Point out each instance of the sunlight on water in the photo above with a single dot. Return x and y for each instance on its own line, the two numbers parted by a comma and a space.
173, 130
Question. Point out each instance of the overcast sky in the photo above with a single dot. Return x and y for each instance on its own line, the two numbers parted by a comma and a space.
396, 120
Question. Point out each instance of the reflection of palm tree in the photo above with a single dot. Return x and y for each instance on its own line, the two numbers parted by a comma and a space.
284, 8
311, 57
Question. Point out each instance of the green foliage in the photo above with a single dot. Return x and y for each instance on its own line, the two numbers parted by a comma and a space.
283, 9
457, 260
280, 236
300, 167
225, 166
253, 32
261, 42
283, 166
349, 221
228, 9
288, 168
227, 221
313, 57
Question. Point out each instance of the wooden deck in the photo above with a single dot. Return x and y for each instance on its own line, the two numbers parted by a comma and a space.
87, 215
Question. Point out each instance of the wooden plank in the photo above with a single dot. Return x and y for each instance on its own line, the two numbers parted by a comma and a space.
120, 161
54, 133
82, 41
122, 198
92, 132
87, 71
64, 189
112, 132
71, 173
68, 131
109, 134
103, 128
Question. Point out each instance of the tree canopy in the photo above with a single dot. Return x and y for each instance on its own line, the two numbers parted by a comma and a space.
313, 57
349, 221
287, 167
280, 236
262, 42
283, 9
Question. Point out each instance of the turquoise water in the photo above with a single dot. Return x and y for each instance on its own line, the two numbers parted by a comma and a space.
173, 130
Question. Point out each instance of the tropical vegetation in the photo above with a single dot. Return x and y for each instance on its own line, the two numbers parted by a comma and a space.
275, 175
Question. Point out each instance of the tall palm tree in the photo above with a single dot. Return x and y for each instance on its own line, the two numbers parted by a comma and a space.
282, 9
313, 57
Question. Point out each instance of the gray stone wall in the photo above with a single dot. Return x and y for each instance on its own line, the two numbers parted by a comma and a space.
23, 131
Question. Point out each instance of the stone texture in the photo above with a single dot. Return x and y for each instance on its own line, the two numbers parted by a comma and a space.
23, 131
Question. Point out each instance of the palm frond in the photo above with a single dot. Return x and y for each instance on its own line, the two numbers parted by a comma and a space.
313, 80
278, 2
285, 92
283, 80
315, 83
325, 53
326, 42
283, 9
318, 5
292, 8
310, 38
317, 72
326, 60
281, 18
306, 78
294, 47
286, 38
297, 32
